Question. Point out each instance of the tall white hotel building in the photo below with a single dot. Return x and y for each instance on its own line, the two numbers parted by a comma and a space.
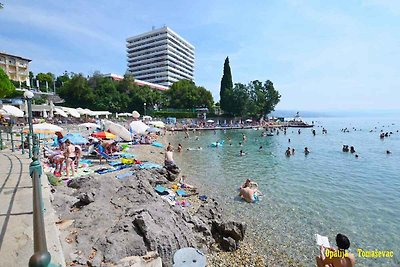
160, 56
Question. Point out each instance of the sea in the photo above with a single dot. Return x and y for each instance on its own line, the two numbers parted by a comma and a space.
325, 192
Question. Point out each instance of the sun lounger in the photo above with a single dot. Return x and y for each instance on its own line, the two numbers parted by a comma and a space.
102, 154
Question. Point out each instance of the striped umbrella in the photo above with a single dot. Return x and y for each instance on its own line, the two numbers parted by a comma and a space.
104, 135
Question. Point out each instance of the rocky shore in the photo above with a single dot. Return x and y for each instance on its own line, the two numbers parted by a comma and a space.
104, 221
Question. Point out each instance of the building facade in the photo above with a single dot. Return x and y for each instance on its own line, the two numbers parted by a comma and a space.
16, 67
160, 56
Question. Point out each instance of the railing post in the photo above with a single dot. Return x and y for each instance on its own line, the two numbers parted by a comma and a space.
12, 142
41, 256
1, 140
29, 145
22, 143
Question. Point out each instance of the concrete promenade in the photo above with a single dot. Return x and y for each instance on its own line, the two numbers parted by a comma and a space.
16, 217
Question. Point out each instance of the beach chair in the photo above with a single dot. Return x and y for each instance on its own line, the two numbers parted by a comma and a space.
100, 151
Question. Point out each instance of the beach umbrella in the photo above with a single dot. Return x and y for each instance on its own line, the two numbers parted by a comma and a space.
44, 128
149, 118
89, 125
60, 112
12, 111
104, 135
158, 124
44, 113
248, 120
71, 111
138, 127
210, 121
118, 130
75, 138
135, 114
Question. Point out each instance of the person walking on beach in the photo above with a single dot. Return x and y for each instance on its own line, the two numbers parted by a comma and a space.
70, 156
344, 258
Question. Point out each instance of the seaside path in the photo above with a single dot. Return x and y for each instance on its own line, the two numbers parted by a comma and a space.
16, 216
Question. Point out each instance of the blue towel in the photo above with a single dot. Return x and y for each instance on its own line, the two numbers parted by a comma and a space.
181, 193
161, 190
124, 175
157, 144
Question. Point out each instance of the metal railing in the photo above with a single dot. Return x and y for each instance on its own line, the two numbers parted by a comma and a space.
41, 256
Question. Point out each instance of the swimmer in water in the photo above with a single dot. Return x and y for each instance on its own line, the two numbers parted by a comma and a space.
288, 153
306, 151
242, 153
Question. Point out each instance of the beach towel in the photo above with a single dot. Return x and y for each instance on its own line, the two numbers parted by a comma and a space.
149, 165
181, 193
161, 190
127, 155
157, 144
115, 163
124, 175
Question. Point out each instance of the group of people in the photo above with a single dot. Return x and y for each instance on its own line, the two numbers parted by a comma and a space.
68, 153
352, 150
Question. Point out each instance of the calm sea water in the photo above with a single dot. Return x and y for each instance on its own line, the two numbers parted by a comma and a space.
326, 192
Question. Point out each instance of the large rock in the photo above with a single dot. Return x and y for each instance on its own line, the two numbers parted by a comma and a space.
116, 219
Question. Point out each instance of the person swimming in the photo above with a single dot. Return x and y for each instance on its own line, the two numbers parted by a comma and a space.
242, 153
288, 153
352, 150
306, 151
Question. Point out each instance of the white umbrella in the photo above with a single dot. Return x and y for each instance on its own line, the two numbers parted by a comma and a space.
89, 125
248, 120
158, 124
12, 111
71, 111
135, 114
147, 118
44, 128
210, 121
124, 114
60, 112
138, 127
118, 130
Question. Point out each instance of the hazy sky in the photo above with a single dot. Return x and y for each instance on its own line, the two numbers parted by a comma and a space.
321, 55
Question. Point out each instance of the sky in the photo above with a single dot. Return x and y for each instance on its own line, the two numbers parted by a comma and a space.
320, 55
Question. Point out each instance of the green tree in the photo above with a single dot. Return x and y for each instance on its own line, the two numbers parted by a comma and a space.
45, 78
60, 80
77, 93
226, 88
185, 94
240, 99
7, 88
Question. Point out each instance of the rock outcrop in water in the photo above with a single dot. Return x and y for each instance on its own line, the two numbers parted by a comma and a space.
113, 219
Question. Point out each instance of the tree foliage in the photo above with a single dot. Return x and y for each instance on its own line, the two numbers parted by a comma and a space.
101, 93
7, 88
226, 88
185, 94
255, 98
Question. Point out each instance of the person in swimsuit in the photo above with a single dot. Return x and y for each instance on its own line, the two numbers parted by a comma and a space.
345, 259
70, 157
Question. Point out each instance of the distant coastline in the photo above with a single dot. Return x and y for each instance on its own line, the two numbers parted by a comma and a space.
337, 113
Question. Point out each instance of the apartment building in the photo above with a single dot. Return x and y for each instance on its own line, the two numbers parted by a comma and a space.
160, 56
16, 67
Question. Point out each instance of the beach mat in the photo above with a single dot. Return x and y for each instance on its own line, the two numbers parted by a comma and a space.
124, 175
